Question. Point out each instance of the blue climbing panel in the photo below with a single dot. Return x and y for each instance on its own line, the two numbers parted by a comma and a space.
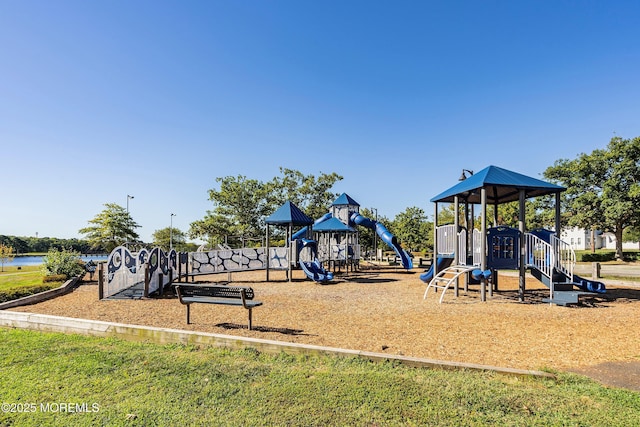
504, 248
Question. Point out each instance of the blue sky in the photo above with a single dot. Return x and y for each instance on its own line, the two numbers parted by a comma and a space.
156, 99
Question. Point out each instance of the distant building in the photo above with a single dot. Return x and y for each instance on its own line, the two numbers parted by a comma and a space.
580, 239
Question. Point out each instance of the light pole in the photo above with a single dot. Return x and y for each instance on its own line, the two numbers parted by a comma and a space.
469, 223
375, 240
128, 198
171, 232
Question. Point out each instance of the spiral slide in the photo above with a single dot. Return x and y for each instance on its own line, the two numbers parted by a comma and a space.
313, 269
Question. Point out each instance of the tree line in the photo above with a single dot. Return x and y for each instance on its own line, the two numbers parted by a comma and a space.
23, 245
603, 192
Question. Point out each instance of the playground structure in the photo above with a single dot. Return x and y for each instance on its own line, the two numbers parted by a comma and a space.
331, 241
338, 239
146, 272
140, 274
460, 255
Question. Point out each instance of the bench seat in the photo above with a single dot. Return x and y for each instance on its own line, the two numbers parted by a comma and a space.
226, 301
216, 294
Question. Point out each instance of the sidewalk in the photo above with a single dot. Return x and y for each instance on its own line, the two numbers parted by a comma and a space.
584, 270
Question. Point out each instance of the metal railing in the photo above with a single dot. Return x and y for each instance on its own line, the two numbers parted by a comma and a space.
565, 257
540, 255
546, 257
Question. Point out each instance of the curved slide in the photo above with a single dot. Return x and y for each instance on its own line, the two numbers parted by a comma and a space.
442, 263
386, 237
313, 269
303, 231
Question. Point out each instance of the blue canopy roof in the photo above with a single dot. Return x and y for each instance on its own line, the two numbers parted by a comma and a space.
344, 199
501, 186
333, 224
289, 214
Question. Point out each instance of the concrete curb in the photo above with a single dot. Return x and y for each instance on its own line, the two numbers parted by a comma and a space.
42, 296
43, 322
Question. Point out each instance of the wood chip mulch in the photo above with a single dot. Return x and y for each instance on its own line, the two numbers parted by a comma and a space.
382, 310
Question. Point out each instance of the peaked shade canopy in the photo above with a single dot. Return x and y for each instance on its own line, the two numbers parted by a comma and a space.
333, 224
345, 199
289, 213
501, 185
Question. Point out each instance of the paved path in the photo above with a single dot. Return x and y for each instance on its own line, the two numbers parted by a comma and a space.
627, 270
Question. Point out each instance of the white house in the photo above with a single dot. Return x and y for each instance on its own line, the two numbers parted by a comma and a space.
580, 239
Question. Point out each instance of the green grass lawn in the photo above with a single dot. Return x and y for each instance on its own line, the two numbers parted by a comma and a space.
13, 278
16, 283
117, 383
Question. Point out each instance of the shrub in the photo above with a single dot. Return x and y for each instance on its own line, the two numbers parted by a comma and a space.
11, 294
54, 278
598, 257
64, 262
602, 256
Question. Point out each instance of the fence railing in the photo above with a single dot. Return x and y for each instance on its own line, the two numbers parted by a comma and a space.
126, 269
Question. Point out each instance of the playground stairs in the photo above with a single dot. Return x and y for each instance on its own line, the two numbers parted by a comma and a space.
447, 277
563, 291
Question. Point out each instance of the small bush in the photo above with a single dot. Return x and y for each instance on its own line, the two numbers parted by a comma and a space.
11, 294
597, 257
64, 262
602, 256
54, 278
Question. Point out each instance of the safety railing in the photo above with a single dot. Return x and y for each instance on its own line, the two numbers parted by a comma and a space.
565, 257
540, 254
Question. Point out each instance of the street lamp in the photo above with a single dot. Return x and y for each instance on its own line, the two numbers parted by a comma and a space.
128, 198
464, 176
171, 232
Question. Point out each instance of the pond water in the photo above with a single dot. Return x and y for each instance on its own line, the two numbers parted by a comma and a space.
21, 261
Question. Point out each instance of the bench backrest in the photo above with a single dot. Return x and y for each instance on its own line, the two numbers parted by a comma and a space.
214, 291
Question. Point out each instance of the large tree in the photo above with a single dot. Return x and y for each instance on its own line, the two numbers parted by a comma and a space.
603, 187
366, 235
168, 238
413, 229
310, 193
539, 213
111, 227
241, 204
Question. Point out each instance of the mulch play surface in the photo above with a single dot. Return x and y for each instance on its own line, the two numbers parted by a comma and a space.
382, 310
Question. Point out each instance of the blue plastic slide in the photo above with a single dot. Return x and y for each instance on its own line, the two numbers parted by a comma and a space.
589, 285
313, 269
379, 228
442, 262
386, 237
303, 231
